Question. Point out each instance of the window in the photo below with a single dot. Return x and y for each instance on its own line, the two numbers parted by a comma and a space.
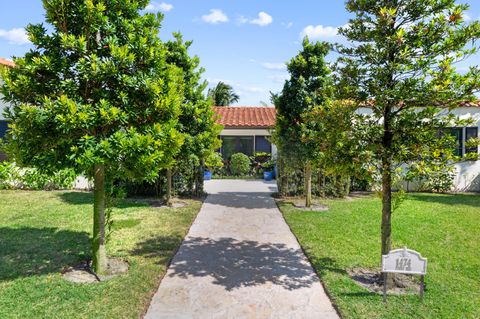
236, 144
262, 145
462, 135
3, 128
457, 133
471, 132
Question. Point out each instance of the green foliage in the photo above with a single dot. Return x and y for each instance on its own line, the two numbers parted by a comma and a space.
223, 95
442, 227
400, 63
197, 120
240, 164
95, 89
14, 177
433, 178
44, 233
214, 161
310, 85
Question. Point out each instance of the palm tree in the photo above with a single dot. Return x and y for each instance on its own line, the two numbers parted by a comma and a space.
223, 95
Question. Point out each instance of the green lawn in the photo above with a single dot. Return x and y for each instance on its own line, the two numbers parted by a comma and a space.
42, 233
444, 228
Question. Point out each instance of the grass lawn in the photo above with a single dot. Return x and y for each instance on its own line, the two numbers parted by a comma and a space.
42, 233
443, 228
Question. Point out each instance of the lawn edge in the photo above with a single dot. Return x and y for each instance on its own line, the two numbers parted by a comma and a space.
329, 295
167, 266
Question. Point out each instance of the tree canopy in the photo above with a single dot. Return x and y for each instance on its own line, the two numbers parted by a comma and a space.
197, 118
310, 85
223, 94
96, 93
401, 67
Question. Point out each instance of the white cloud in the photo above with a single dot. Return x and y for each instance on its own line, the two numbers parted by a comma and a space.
274, 66
319, 32
15, 36
155, 6
242, 20
216, 16
467, 17
263, 19
288, 25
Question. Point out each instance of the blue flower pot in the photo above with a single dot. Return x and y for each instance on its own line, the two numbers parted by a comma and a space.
267, 176
207, 176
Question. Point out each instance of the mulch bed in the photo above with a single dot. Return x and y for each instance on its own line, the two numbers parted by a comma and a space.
83, 273
373, 281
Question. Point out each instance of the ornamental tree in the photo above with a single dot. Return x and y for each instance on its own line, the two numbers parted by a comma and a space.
310, 85
197, 119
401, 66
332, 131
96, 94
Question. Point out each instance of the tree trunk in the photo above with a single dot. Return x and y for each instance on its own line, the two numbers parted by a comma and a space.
168, 196
281, 176
308, 184
348, 185
199, 183
99, 260
387, 190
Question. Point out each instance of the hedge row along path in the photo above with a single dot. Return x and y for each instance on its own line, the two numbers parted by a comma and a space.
240, 260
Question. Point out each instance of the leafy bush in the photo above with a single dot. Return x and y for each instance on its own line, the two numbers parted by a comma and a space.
214, 162
432, 179
240, 164
14, 177
440, 181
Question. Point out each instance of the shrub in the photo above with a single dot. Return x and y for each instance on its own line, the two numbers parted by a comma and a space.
440, 181
214, 162
240, 164
13, 177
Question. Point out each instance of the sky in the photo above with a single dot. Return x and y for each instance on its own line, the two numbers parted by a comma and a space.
244, 43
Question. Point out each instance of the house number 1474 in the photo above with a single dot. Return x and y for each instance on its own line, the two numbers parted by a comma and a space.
404, 264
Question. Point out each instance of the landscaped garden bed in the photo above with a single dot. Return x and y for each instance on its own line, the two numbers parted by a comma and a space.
42, 234
444, 228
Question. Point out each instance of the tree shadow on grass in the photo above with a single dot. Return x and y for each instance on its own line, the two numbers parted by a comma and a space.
86, 198
161, 248
233, 264
326, 264
29, 251
448, 199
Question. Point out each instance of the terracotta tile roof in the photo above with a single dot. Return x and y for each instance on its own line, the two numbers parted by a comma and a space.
245, 116
470, 104
6, 62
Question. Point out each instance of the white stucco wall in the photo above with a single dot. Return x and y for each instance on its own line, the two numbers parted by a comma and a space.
3, 105
467, 177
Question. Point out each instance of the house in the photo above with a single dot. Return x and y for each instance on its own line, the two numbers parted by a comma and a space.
246, 129
467, 178
3, 123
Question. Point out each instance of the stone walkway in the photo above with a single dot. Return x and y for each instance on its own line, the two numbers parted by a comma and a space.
240, 260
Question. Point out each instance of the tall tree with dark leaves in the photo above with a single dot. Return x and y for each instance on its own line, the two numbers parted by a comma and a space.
197, 121
310, 85
223, 94
401, 65
96, 94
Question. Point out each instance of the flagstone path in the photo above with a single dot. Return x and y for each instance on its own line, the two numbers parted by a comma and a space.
240, 260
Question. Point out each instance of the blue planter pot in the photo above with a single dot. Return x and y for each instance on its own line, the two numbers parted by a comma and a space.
267, 176
207, 176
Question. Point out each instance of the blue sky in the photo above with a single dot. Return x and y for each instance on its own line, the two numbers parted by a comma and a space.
242, 42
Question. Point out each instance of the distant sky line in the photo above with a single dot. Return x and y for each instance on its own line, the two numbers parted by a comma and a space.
242, 43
